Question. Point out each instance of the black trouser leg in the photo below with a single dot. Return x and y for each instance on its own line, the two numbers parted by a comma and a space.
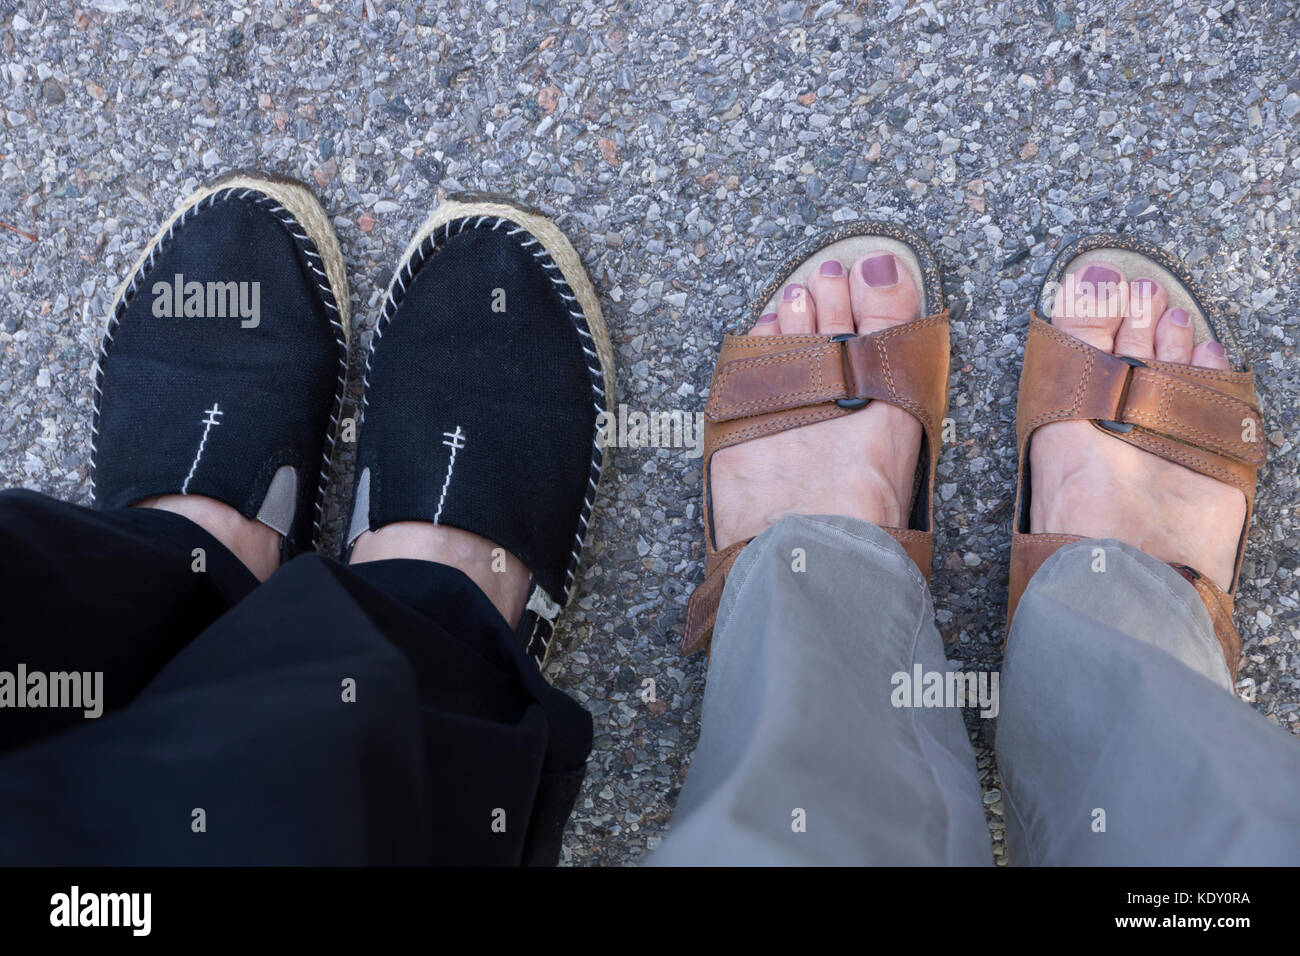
379, 715
108, 591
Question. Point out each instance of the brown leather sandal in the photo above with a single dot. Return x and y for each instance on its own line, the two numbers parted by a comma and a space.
1204, 419
768, 384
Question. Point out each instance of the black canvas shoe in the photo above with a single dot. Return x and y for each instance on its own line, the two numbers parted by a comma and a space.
488, 373
223, 367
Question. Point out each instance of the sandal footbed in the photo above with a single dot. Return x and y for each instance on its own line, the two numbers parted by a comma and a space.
847, 252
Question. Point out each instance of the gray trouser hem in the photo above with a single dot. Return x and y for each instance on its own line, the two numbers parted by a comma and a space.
803, 758
1120, 741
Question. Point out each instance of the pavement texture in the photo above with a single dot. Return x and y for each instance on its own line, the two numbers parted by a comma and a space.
683, 147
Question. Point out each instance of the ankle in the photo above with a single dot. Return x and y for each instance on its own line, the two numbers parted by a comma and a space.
252, 542
501, 576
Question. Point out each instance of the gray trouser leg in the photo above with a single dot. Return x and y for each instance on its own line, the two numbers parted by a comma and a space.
1118, 711
802, 756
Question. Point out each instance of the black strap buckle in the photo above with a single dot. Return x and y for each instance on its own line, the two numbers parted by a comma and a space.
1123, 428
849, 403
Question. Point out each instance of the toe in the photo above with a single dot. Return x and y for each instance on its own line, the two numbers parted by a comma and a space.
766, 325
1174, 337
796, 311
830, 292
1090, 304
1136, 336
882, 292
1211, 355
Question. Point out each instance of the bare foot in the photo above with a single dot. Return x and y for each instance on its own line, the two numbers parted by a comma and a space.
860, 465
251, 541
499, 574
1088, 483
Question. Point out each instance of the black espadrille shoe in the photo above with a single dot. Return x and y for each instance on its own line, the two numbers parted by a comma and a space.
487, 376
223, 367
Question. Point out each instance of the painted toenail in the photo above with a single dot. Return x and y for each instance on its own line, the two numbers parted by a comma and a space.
767, 319
1217, 350
880, 271
1098, 278
1180, 318
831, 268
1144, 289
791, 292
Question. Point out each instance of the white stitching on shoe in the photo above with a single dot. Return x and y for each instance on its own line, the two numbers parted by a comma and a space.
456, 443
208, 422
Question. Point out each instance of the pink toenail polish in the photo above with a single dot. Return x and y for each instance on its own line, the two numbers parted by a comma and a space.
791, 292
1217, 350
1099, 280
1144, 289
767, 319
1180, 318
831, 268
880, 272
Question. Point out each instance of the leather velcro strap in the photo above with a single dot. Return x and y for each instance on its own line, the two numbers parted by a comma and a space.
783, 372
702, 609
1065, 378
757, 375
1172, 403
1219, 604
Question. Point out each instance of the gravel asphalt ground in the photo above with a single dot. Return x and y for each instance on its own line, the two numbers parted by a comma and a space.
684, 147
